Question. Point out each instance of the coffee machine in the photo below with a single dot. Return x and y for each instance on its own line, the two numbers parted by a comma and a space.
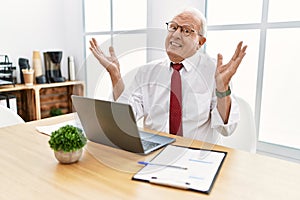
52, 60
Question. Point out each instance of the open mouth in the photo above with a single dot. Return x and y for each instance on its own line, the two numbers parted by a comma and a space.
175, 44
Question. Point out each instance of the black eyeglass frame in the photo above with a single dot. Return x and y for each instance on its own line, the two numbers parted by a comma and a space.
182, 28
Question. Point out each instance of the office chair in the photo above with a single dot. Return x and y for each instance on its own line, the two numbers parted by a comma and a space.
244, 137
9, 117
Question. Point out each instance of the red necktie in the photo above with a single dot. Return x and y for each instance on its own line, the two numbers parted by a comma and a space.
175, 117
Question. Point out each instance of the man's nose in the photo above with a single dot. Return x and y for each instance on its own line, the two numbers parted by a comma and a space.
178, 31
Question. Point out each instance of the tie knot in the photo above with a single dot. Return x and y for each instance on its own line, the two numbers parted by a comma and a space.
177, 66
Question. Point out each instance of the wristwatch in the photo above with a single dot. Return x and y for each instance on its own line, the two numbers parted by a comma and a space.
223, 94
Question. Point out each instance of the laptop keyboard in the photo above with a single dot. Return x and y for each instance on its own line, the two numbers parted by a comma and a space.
148, 144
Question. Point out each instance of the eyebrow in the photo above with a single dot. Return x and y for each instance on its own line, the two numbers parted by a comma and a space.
191, 25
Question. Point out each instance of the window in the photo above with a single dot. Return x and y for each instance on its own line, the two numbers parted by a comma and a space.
225, 42
268, 77
97, 15
112, 24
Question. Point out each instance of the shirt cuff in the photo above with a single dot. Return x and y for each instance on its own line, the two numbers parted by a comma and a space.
234, 117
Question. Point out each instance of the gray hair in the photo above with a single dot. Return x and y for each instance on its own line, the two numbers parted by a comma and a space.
197, 13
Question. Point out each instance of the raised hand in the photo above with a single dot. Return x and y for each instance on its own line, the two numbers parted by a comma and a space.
110, 63
224, 72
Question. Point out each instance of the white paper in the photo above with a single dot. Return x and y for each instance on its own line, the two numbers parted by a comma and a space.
49, 129
202, 167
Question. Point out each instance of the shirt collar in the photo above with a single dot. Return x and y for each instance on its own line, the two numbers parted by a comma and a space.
189, 62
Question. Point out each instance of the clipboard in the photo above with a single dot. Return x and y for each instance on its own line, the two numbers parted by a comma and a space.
183, 167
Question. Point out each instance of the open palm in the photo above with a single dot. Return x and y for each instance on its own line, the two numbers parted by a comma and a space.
111, 62
224, 72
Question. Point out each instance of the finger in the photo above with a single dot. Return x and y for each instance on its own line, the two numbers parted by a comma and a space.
237, 51
244, 49
102, 59
93, 43
91, 49
113, 55
220, 66
112, 52
241, 55
236, 63
239, 59
95, 46
95, 53
219, 60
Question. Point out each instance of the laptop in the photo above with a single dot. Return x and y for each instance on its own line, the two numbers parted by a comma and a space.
113, 124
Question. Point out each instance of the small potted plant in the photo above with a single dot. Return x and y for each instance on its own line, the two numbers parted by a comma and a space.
55, 112
67, 143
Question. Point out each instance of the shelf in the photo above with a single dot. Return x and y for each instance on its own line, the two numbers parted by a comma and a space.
6, 71
35, 102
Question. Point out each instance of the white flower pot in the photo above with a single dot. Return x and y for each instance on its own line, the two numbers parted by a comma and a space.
68, 157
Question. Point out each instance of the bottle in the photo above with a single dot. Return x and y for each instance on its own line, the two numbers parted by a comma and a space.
71, 68
37, 63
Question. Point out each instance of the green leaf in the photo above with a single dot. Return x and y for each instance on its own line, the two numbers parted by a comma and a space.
67, 138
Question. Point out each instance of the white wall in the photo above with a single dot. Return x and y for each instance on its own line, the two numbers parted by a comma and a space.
43, 25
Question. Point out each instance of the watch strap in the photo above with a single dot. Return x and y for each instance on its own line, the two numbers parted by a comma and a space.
223, 94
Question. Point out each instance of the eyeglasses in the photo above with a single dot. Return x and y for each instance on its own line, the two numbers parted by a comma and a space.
185, 29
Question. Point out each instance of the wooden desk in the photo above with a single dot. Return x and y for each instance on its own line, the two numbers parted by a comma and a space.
29, 170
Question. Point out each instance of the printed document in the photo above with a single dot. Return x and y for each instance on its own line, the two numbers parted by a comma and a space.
182, 167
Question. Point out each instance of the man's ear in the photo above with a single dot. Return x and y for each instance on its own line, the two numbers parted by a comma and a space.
202, 40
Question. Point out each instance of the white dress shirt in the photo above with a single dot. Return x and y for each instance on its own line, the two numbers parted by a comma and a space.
148, 91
